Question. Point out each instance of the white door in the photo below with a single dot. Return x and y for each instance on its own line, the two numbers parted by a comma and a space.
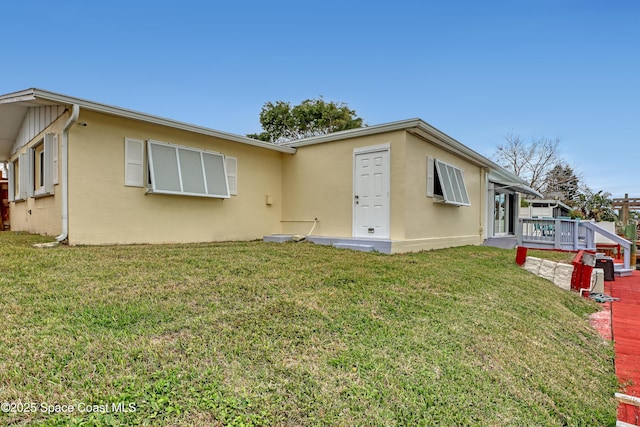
501, 214
371, 194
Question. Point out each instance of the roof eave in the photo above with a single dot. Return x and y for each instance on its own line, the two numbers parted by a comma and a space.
416, 126
448, 143
355, 133
35, 94
21, 96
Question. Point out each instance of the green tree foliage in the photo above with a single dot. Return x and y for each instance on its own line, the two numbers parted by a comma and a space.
561, 182
281, 122
596, 205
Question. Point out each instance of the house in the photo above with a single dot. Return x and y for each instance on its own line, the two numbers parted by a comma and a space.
545, 209
91, 173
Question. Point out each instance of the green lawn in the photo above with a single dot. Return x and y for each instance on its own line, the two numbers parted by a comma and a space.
293, 334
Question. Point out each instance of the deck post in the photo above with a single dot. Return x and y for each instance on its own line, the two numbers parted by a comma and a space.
519, 227
627, 258
591, 238
557, 233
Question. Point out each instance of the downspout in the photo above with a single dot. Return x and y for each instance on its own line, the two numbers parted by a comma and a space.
486, 226
75, 112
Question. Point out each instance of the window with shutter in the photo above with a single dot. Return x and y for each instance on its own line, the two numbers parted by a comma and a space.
40, 165
446, 182
186, 171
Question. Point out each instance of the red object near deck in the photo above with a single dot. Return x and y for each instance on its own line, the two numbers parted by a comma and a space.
521, 255
581, 276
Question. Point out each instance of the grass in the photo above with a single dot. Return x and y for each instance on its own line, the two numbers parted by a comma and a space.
251, 334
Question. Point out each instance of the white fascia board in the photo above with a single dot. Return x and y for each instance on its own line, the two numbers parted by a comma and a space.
553, 202
354, 133
452, 145
504, 177
424, 130
123, 112
416, 126
22, 96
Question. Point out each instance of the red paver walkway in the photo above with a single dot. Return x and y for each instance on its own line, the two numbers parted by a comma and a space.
625, 318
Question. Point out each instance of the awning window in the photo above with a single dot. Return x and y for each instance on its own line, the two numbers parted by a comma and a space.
186, 171
449, 183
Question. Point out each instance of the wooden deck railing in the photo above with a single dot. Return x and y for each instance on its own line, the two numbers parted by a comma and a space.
565, 234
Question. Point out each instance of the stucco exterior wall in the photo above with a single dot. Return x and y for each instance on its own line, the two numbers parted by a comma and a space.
102, 210
431, 224
318, 183
42, 215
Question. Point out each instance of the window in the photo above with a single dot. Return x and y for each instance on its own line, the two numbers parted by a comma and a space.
446, 182
41, 161
38, 166
175, 169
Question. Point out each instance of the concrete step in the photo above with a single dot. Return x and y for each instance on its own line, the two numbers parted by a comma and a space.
278, 238
619, 270
355, 247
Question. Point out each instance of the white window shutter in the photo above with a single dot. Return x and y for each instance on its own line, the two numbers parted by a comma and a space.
430, 176
451, 181
30, 172
232, 175
48, 163
134, 163
26, 176
464, 196
174, 169
12, 182
54, 157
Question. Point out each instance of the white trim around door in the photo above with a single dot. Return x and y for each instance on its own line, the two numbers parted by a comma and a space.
371, 192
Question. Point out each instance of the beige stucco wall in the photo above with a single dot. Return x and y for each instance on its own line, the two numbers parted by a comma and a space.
102, 210
318, 183
432, 224
42, 215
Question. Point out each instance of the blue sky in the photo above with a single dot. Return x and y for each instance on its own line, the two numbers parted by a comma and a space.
475, 70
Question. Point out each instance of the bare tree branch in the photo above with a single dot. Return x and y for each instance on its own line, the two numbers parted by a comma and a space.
531, 162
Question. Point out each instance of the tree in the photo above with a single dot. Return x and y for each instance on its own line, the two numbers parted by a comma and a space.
596, 206
281, 122
561, 183
530, 161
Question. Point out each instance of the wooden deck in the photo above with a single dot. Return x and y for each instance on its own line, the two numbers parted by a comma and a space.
625, 319
555, 233
566, 235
